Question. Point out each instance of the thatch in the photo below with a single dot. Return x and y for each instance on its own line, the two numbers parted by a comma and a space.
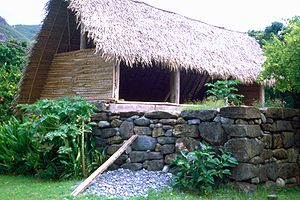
135, 32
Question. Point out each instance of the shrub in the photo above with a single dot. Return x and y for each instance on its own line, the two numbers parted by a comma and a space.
201, 170
225, 90
59, 133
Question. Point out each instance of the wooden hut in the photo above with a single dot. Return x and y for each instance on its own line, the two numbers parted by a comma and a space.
116, 50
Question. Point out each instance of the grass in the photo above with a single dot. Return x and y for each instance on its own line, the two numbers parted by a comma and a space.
25, 188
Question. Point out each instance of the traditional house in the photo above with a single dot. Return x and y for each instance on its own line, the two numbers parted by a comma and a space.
127, 50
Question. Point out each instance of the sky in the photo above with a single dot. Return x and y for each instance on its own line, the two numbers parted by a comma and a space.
240, 15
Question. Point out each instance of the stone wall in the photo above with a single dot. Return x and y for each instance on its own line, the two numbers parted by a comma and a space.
265, 142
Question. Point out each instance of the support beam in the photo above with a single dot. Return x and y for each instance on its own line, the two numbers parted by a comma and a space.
83, 39
262, 96
116, 81
175, 87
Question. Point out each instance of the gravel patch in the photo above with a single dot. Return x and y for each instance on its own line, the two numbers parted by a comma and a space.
124, 183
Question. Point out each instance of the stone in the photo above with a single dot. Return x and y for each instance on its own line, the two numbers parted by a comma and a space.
203, 115
112, 117
130, 114
115, 140
243, 149
99, 116
103, 124
128, 150
180, 120
185, 130
292, 155
223, 120
282, 125
153, 165
121, 160
288, 139
167, 149
169, 133
106, 132
194, 121
113, 148
277, 141
167, 127
268, 127
168, 121
257, 121
297, 139
256, 160
269, 184
269, 121
240, 121
142, 130
160, 115
142, 121
287, 170
141, 156
100, 142
132, 166
237, 130
126, 130
170, 157
245, 188
166, 140
154, 121
280, 154
186, 144
263, 118
280, 182
254, 180
251, 122
244, 171
262, 173
212, 132
144, 143
281, 113
116, 123
292, 180
113, 167
157, 132
157, 147
272, 171
267, 139
166, 169
296, 122
266, 154
240, 112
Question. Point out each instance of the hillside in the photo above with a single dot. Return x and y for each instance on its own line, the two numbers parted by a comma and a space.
19, 32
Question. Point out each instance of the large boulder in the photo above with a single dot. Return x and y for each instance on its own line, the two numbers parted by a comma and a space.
141, 156
144, 143
244, 171
287, 170
142, 121
237, 130
281, 113
105, 132
243, 149
240, 112
185, 130
126, 130
203, 115
212, 132
153, 165
140, 130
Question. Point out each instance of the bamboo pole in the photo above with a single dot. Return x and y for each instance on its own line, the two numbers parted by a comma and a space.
104, 166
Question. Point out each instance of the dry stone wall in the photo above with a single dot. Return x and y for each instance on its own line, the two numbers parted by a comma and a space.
266, 142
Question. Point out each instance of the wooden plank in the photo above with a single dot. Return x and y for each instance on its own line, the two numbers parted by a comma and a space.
116, 81
262, 96
175, 87
104, 166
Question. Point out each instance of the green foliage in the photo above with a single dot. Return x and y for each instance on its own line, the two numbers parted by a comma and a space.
225, 90
60, 131
202, 170
18, 150
12, 60
283, 59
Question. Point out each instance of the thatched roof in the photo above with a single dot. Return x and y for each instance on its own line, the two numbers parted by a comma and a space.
134, 31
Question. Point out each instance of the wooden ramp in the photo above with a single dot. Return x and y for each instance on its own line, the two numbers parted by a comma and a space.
104, 166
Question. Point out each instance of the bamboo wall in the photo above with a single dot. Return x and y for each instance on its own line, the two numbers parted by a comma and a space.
79, 73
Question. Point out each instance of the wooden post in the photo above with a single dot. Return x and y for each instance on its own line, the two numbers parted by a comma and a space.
175, 87
104, 166
83, 38
116, 80
262, 95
